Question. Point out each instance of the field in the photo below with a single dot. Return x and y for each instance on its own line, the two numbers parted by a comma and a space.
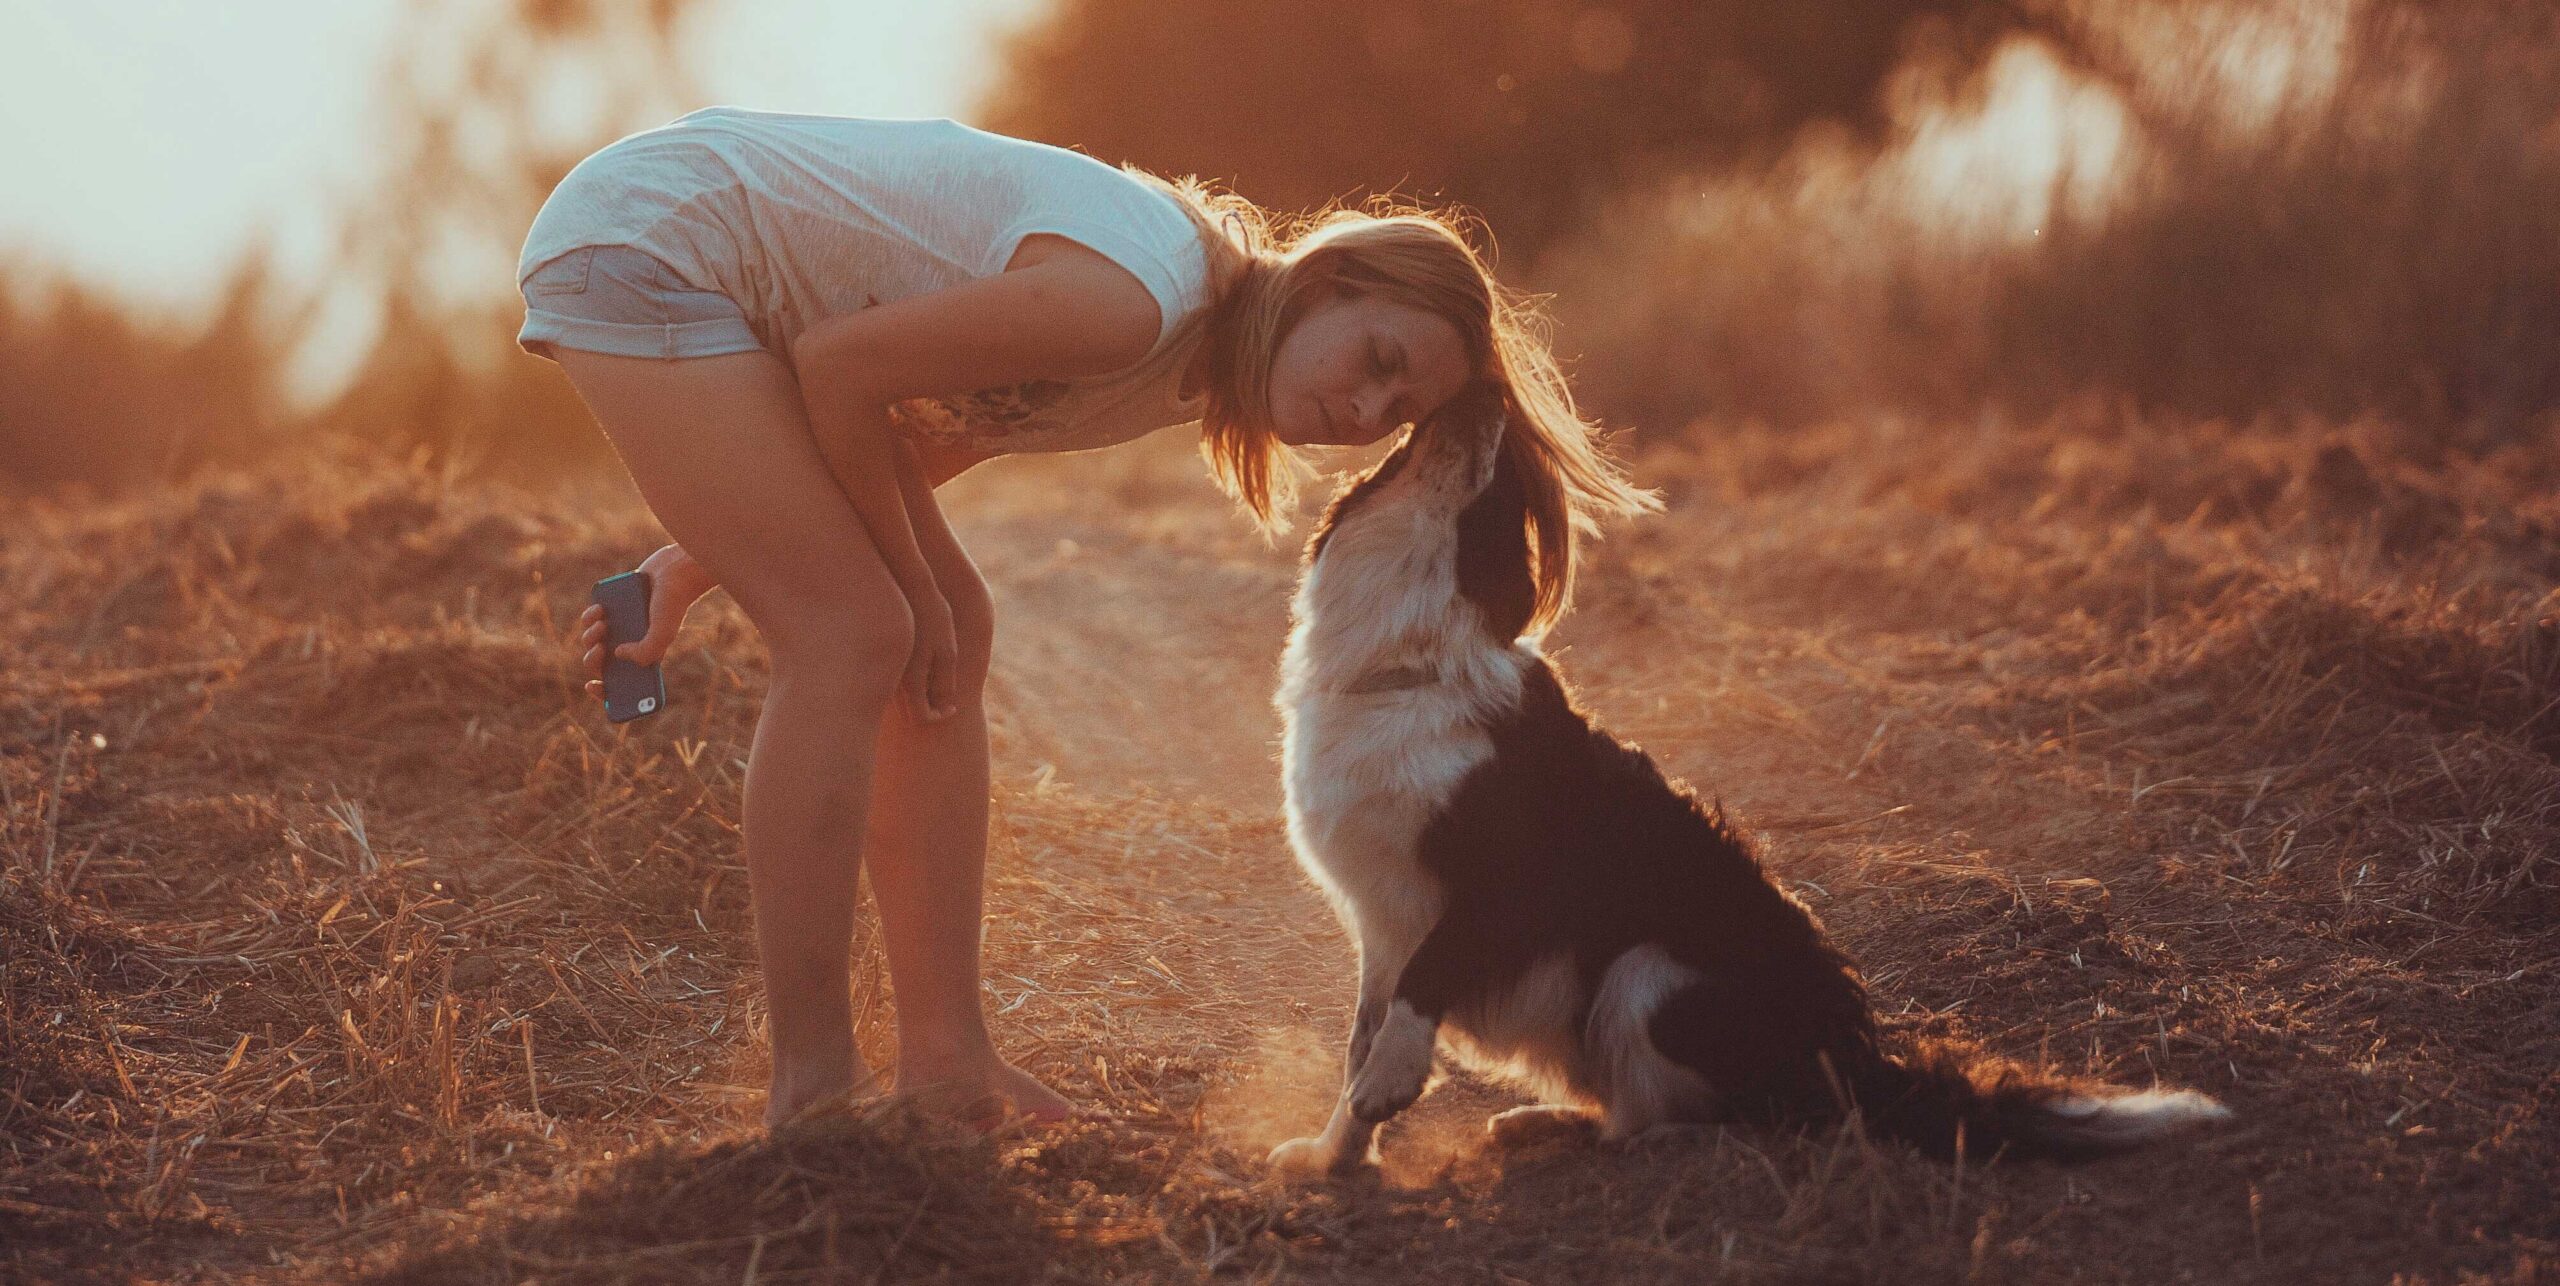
342, 940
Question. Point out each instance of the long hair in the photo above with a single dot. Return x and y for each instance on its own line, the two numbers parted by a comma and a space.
1266, 272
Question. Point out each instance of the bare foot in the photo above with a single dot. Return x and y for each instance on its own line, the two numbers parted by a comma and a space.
984, 1093
1032, 1099
798, 1086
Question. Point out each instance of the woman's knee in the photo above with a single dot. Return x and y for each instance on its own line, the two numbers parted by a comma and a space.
861, 648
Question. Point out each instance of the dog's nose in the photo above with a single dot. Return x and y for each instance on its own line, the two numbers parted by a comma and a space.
1368, 407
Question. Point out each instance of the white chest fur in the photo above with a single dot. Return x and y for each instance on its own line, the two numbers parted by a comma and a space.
1366, 764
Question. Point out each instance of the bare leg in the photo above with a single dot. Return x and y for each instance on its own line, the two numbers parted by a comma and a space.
721, 450
928, 853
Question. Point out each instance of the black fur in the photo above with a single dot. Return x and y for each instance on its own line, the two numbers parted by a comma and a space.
1569, 841
1493, 554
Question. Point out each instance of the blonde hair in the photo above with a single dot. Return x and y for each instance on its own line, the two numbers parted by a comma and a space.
1264, 275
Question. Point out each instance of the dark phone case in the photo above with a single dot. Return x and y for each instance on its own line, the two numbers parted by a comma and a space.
630, 691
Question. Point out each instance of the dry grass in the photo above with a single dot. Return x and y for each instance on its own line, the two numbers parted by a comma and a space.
2337, 206
340, 939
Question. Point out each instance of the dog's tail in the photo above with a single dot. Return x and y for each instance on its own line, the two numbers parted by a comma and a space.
1944, 1103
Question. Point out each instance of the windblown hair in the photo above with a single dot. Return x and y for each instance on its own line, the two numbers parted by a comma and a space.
1267, 271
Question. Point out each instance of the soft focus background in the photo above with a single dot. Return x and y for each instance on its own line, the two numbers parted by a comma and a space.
234, 230
2113, 454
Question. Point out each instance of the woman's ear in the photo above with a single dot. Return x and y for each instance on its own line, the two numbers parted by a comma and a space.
1493, 550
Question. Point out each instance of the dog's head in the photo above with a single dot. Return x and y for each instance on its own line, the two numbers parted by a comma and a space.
1455, 488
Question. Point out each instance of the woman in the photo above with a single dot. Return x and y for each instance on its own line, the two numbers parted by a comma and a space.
793, 328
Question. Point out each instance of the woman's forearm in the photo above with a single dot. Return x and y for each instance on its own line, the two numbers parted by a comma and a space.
915, 486
853, 436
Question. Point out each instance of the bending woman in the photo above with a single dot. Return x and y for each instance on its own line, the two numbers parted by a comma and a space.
793, 328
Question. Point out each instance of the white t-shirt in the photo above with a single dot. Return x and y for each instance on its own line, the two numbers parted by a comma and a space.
800, 217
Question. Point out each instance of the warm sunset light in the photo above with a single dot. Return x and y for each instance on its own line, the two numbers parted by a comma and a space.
1403, 641
178, 135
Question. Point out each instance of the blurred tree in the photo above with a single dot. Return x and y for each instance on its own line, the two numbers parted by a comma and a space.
2346, 210
95, 394
486, 106
2391, 244
1523, 109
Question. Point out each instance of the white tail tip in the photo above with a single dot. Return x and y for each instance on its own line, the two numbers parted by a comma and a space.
2140, 1115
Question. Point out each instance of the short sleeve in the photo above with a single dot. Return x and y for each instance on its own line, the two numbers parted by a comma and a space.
1173, 274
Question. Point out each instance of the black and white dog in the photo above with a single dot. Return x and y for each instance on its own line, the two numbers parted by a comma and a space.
1535, 891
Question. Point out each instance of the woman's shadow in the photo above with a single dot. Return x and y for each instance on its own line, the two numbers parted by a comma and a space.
875, 1193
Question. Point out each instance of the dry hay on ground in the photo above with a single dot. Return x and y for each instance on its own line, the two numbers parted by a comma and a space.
339, 938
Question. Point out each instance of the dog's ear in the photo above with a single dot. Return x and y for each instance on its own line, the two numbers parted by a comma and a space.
1493, 551
1349, 498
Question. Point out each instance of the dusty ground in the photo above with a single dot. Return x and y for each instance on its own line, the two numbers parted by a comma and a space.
340, 939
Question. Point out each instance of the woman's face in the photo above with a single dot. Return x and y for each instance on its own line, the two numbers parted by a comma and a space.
1355, 368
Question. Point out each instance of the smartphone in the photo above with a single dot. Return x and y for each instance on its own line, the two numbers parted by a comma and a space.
630, 691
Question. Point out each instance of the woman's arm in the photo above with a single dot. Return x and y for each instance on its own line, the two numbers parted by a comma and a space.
1063, 312
1068, 311
853, 434
962, 632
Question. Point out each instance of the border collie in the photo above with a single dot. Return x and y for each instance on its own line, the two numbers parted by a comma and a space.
1534, 892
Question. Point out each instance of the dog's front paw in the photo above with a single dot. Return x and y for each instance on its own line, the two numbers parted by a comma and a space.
1313, 1158
1398, 1066
1378, 1098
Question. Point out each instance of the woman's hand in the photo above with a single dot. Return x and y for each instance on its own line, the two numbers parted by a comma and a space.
675, 582
933, 668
